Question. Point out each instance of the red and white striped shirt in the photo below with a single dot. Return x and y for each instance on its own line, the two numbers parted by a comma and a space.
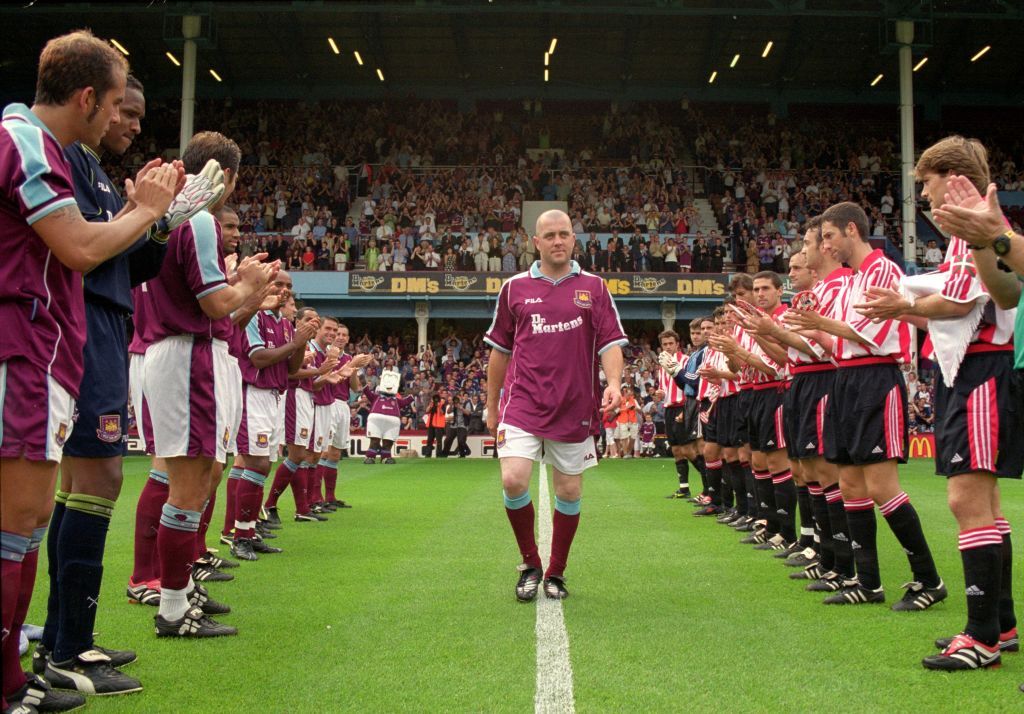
747, 374
674, 396
886, 338
781, 371
718, 360
996, 327
826, 290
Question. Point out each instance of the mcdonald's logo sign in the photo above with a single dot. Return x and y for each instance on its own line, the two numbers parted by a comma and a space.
922, 446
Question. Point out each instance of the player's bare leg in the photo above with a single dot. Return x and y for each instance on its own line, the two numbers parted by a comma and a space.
568, 490
26, 499
144, 583
184, 604
89, 488
986, 553
515, 484
784, 498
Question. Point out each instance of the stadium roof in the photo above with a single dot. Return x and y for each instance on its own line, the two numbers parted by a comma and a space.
822, 50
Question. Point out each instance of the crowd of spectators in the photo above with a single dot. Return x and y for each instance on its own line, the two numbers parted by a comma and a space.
444, 188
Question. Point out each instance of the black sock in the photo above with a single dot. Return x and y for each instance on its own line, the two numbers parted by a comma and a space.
751, 485
860, 515
733, 472
683, 471
49, 638
840, 531
902, 518
784, 492
826, 548
714, 482
803, 499
1007, 618
728, 495
981, 552
766, 502
698, 463
83, 536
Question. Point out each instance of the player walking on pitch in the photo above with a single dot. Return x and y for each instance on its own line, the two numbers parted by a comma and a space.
553, 314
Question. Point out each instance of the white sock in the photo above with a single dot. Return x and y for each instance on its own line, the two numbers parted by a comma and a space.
174, 603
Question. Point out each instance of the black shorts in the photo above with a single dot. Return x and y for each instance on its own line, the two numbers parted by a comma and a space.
675, 431
866, 416
729, 418
101, 412
978, 422
766, 429
742, 425
710, 427
691, 421
805, 413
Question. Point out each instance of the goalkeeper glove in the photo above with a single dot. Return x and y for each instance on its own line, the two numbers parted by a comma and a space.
669, 363
201, 191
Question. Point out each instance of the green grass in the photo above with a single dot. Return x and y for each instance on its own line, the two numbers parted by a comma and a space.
404, 603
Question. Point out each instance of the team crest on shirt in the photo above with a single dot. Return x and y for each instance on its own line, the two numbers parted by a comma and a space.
62, 433
109, 430
262, 440
582, 298
227, 437
500, 442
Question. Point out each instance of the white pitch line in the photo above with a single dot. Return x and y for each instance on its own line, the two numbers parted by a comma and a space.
554, 670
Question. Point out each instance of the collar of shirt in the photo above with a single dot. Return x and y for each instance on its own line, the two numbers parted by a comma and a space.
869, 260
840, 272
574, 270
21, 111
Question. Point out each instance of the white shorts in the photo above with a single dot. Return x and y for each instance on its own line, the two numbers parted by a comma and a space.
262, 429
37, 413
197, 389
341, 425
298, 418
626, 430
236, 371
136, 367
322, 416
382, 426
570, 459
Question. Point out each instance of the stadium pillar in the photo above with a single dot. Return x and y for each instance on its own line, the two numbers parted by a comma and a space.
190, 27
422, 320
905, 36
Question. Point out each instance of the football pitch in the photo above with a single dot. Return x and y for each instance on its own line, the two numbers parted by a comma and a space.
405, 603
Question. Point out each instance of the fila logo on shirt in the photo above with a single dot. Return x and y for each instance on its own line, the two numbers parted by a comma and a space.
541, 326
533, 301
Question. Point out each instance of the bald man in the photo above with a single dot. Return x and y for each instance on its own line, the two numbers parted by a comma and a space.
552, 325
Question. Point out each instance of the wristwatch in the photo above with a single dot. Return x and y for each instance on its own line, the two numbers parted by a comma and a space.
1001, 245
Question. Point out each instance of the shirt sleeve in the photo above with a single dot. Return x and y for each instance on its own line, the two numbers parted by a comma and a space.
608, 326
253, 338
501, 333
690, 376
204, 265
85, 184
41, 183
